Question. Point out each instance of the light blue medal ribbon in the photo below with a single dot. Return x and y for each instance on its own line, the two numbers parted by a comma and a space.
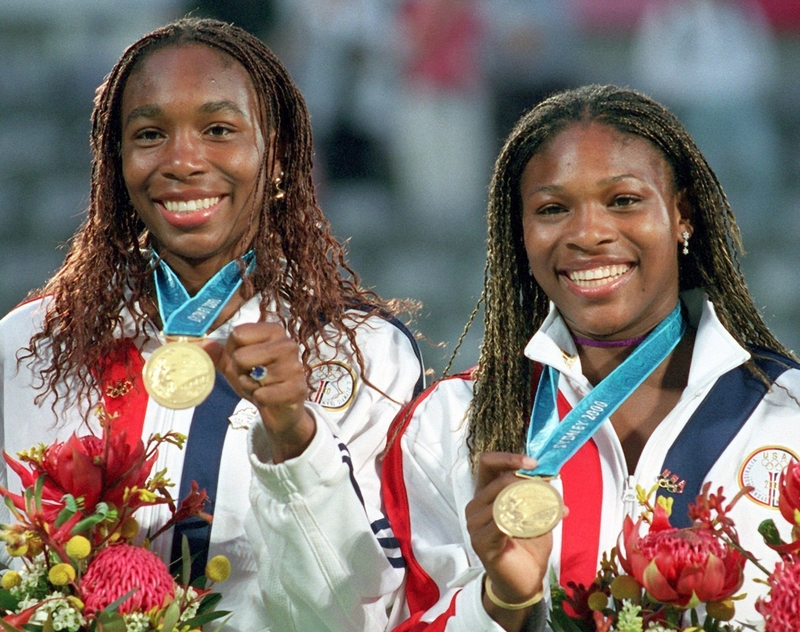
551, 442
184, 315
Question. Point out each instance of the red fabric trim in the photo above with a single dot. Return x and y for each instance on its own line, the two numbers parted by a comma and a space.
413, 624
582, 481
421, 590
124, 397
30, 299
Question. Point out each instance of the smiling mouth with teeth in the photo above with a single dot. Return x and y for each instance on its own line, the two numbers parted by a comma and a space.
597, 276
189, 206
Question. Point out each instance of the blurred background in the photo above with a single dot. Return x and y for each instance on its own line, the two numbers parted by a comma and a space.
410, 101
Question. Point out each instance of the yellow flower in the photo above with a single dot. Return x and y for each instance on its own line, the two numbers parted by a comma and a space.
61, 574
598, 601
35, 547
78, 547
17, 550
129, 528
75, 603
11, 579
625, 587
218, 568
722, 610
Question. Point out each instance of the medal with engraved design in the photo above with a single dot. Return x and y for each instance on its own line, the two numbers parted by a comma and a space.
528, 508
179, 375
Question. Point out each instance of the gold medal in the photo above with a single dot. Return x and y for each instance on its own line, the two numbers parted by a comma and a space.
528, 508
179, 375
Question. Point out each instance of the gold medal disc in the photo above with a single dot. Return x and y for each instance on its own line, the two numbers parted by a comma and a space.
179, 375
528, 508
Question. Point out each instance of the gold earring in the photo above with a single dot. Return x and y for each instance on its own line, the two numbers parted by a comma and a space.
279, 193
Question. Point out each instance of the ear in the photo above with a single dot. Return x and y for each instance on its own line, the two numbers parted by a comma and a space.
684, 214
274, 157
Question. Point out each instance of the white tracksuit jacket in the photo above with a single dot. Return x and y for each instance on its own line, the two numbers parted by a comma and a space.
428, 480
301, 560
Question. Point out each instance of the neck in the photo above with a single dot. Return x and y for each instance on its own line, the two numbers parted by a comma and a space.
606, 344
598, 362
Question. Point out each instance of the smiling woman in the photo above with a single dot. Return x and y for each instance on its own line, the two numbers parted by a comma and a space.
204, 248
192, 154
613, 293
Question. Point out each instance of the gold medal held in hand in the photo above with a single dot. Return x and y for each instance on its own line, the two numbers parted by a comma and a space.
179, 375
528, 508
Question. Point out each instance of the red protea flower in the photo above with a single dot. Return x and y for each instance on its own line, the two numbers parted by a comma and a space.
94, 468
781, 609
119, 569
789, 499
682, 567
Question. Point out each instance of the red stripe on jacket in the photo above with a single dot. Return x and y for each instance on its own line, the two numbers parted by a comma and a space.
422, 593
582, 482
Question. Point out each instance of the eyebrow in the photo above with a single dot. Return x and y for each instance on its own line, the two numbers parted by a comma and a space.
554, 188
210, 107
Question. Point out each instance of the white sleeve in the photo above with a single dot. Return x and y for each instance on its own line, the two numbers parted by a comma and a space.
326, 555
428, 484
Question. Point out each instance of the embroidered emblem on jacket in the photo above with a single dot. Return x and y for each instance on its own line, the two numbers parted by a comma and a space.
333, 385
762, 470
244, 416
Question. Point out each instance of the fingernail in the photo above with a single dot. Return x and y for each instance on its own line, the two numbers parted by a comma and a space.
529, 462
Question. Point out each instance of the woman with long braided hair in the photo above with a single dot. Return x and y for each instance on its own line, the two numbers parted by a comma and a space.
203, 236
621, 348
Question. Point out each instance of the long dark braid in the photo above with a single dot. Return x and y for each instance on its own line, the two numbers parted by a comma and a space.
516, 306
107, 270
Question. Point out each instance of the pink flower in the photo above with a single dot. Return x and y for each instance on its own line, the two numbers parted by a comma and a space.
119, 569
682, 567
781, 610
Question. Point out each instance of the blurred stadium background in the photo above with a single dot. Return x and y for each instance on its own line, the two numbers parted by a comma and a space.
410, 101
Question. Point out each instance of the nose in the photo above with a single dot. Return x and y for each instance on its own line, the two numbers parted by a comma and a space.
591, 225
183, 156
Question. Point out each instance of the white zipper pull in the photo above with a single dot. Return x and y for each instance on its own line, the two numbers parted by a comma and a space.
629, 496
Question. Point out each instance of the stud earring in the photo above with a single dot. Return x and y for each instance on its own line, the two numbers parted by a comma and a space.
279, 193
685, 242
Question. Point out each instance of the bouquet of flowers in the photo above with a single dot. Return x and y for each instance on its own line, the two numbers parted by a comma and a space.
656, 581
82, 565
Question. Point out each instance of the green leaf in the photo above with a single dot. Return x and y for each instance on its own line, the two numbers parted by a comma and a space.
202, 619
110, 622
560, 621
12, 508
8, 627
69, 510
48, 624
224, 622
769, 532
171, 615
112, 607
100, 514
7, 600
37, 497
200, 582
29, 500
186, 561
208, 602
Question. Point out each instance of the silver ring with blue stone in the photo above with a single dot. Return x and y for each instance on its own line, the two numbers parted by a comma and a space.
259, 373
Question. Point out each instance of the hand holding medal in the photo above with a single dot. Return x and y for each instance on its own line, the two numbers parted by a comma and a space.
516, 568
